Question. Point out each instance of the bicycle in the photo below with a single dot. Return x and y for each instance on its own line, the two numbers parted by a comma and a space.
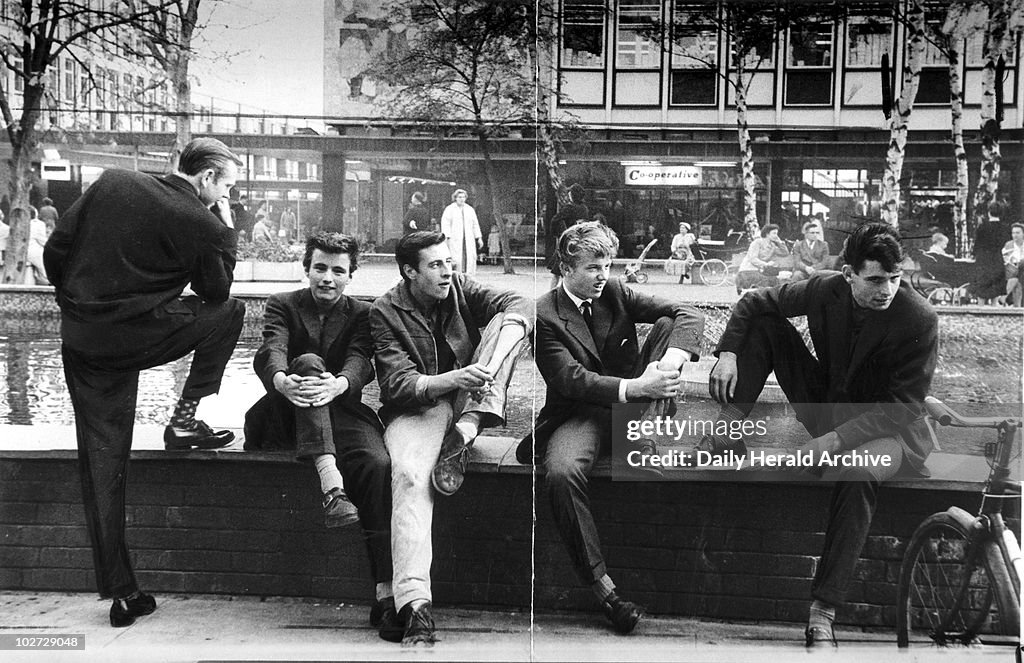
715, 272
960, 575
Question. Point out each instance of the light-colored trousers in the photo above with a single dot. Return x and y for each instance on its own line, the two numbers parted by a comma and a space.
414, 441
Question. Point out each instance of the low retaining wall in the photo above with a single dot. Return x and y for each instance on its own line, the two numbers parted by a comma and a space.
250, 524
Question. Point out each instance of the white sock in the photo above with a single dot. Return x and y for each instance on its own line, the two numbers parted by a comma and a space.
383, 590
330, 477
468, 427
822, 614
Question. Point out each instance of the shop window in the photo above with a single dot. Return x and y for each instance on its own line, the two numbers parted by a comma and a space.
583, 34
933, 87
634, 47
694, 75
809, 65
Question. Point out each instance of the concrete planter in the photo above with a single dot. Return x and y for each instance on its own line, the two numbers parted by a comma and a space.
243, 270
276, 271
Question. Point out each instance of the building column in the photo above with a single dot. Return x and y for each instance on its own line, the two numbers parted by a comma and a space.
333, 177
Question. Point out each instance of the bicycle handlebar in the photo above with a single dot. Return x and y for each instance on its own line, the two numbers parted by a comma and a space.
946, 416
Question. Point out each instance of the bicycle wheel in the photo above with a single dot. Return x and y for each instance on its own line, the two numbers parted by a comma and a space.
714, 272
948, 592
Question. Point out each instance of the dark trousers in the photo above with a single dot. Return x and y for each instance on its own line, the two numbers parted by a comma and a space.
353, 434
101, 365
571, 451
773, 344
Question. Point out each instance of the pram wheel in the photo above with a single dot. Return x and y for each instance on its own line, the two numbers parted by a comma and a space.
641, 277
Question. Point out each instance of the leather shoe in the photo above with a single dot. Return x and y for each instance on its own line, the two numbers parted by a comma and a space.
648, 448
419, 625
124, 611
200, 437
624, 615
384, 616
338, 509
817, 636
450, 470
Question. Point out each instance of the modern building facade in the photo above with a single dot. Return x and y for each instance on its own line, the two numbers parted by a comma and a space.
662, 121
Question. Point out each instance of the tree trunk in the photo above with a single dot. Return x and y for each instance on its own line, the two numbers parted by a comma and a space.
492, 181
900, 118
23, 147
962, 230
997, 44
750, 222
182, 105
549, 154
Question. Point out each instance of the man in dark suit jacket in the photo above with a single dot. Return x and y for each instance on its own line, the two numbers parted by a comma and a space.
875, 342
314, 362
119, 260
587, 350
810, 255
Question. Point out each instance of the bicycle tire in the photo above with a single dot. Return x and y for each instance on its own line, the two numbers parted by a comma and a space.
931, 596
714, 272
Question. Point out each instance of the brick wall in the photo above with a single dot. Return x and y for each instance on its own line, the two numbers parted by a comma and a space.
247, 526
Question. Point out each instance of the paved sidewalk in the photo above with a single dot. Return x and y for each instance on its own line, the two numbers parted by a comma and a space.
188, 628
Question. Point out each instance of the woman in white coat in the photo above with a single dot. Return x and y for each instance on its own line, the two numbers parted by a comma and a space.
462, 232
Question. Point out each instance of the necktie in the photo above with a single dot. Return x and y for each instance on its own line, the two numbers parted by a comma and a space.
588, 316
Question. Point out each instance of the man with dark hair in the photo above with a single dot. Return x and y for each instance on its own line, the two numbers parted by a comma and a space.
875, 343
810, 255
587, 351
119, 260
314, 362
441, 382
418, 216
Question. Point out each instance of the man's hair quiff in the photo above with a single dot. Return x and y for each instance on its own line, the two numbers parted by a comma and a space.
586, 241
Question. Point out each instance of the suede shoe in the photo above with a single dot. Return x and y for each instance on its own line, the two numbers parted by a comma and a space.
624, 615
200, 437
819, 636
124, 611
384, 616
450, 470
419, 625
338, 509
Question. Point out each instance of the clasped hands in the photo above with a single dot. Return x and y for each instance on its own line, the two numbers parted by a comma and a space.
310, 391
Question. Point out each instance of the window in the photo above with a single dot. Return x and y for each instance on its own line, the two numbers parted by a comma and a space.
635, 49
19, 82
868, 37
809, 65
694, 76
583, 34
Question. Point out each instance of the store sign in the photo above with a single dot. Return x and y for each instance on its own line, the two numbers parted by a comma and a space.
663, 175
58, 170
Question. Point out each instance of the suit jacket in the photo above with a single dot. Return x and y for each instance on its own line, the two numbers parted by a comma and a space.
887, 371
404, 342
131, 243
292, 328
583, 372
815, 256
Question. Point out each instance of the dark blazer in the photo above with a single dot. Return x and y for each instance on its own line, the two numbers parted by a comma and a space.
131, 243
889, 367
816, 256
292, 328
583, 373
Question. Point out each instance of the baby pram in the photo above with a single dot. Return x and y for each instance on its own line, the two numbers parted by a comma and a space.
634, 271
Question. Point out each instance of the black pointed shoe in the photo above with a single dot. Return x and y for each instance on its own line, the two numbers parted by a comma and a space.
200, 437
419, 625
124, 611
384, 616
624, 615
817, 636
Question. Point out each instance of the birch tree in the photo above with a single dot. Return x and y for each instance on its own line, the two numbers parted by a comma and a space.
41, 31
899, 114
752, 28
1005, 20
